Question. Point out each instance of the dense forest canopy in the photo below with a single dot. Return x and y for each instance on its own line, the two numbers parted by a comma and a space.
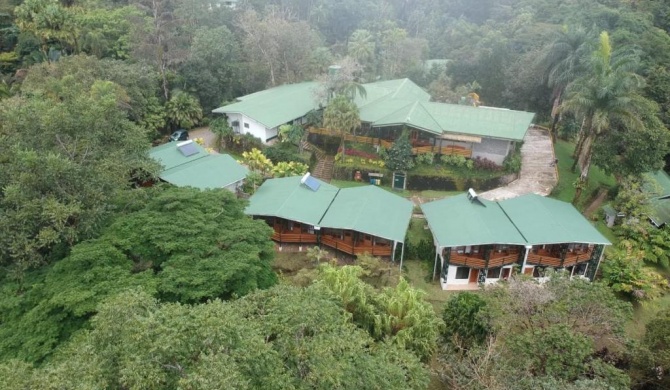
106, 284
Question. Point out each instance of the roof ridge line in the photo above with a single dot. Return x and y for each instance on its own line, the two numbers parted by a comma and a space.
431, 116
397, 90
329, 205
511, 221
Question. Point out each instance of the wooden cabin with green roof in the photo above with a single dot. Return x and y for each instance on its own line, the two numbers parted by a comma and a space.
385, 110
351, 220
187, 164
479, 241
557, 234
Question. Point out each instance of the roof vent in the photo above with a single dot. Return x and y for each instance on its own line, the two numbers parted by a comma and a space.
472, 196
310, 182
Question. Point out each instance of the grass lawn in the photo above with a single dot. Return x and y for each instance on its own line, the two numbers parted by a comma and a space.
643, 313
427, 194
565, 190
418, 274
418, 231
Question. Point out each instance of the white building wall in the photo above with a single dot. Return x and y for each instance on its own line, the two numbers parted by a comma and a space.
234, 186
451, 277
493, 149
247, 125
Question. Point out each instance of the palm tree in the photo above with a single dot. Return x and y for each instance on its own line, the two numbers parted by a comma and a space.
342, 116
608, 92
361, 46
564, 61
183, 110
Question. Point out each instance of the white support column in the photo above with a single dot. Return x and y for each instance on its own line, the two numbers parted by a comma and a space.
525, 257
602, 254
393, 254
437, 254
402, 255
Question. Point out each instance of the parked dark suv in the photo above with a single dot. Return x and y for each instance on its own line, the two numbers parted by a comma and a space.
179, 135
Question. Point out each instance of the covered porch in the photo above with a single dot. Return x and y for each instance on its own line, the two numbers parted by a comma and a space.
287, 231
422, 142
355, 243
559, 255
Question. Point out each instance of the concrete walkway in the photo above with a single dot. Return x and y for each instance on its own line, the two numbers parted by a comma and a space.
538, 171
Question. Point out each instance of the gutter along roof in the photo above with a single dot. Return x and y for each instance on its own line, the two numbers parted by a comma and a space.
366, 209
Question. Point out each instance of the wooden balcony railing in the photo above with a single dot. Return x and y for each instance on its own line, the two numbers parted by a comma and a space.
298, 238
551, 259
375, 250
473, 260
476, 260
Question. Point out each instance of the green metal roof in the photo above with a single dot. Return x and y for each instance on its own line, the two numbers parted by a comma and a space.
366, 209
275, 106
287, 198
457, 221
211, 171
660, 203
386, 103
371, 210
439, 118
169, 156
544, 220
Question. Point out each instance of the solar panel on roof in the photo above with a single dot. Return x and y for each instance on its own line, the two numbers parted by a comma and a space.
187, 148
310, 182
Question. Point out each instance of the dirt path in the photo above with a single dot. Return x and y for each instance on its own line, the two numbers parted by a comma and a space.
538, 168
597, 202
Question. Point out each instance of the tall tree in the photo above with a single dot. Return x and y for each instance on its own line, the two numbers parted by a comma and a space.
178, 244
609, 91
565, 61
362, 47
342, 116
68, 154
157, 39
283, 338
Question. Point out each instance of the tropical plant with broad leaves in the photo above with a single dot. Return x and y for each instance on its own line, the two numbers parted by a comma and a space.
183, 110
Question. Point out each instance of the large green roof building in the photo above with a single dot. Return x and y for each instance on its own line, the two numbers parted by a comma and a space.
385, 107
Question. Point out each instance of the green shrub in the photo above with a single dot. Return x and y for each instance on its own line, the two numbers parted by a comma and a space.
425, 158
283, 152
456, 161
512, 163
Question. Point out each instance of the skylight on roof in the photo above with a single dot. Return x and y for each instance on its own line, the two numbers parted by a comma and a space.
310, 182
187, 148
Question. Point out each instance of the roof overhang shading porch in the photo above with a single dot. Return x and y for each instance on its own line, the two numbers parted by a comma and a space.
367, 210
534, 223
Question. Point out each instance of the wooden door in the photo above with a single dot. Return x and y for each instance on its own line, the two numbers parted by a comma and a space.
505, 273
528, 271
474, 276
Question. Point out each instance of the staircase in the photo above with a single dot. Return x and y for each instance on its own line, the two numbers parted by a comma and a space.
324, 165
324, 169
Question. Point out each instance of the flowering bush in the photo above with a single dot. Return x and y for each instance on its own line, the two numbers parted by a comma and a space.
486, 164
